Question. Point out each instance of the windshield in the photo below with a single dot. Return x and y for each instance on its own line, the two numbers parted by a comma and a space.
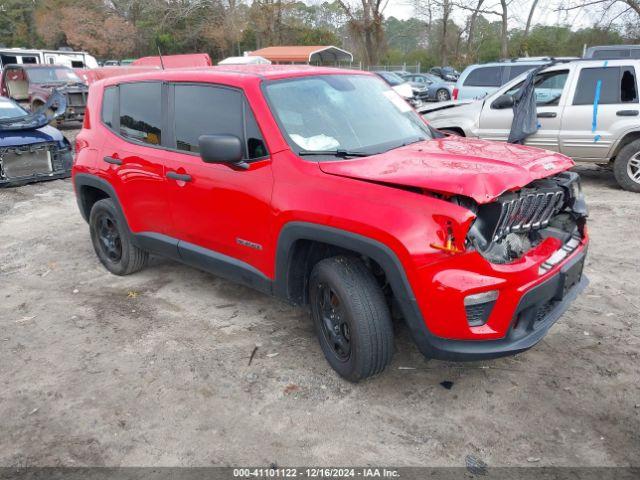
8, 109
391, 78
357, 113
53, 75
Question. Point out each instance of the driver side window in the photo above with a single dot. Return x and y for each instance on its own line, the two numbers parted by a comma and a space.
548, 87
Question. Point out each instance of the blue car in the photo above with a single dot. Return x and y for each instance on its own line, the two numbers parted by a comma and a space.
437, 89
30, 149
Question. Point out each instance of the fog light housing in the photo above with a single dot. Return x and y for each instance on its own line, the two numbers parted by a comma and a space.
479, 306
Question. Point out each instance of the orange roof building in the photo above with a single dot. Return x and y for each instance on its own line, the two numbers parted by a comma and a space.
304, 54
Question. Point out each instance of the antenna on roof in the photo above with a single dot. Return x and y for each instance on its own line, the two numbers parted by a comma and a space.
160, 55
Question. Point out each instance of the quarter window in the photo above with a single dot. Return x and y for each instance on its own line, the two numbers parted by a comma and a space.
109, 99
207, 110
484, 77
141, 112
617, 85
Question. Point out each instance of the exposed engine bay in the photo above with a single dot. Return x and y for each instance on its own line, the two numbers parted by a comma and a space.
516, 222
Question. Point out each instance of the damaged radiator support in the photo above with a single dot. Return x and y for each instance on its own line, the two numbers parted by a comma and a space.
27, 161
507, 228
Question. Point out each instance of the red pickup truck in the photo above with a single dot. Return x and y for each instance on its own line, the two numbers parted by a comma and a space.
325, 188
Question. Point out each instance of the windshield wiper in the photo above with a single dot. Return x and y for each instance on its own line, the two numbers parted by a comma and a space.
336, 153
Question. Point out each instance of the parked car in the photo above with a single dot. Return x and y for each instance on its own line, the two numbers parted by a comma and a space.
611, 52
407, 91
111, 63
322, 187
478, 81
448, 74
437, 90
30, 149
566, 101
32, 85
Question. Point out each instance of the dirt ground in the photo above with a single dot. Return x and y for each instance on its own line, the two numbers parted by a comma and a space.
153, 369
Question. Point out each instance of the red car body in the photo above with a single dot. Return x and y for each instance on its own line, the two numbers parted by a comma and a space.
396, 207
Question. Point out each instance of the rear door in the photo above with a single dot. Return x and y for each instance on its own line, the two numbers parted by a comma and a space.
214, 206
133, 157
495, 124
603, 106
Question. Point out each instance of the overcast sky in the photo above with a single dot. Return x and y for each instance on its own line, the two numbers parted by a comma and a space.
545, 13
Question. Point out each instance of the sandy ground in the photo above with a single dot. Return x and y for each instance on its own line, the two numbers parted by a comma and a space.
152, 369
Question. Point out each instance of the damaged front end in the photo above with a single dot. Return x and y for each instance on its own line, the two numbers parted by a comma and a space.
516, 222
30, 149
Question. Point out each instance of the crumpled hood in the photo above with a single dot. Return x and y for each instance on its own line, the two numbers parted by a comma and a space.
479, 169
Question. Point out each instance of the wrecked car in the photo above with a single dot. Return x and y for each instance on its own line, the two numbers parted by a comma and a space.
588, 110
32, 85
30, 149
325, 188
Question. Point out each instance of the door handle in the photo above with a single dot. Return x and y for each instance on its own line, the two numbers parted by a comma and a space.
183, 177
113, 161
547, 115
627, 113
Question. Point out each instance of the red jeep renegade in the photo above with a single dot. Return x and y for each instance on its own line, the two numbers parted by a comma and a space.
323, 187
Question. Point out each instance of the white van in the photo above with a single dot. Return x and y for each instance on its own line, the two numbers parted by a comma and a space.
68, 58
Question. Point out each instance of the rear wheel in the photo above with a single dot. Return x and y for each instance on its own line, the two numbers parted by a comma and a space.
112, 242
626, 167
443, 95
351, 317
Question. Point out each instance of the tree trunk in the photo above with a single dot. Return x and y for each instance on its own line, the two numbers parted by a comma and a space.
504, 37
523, 46
472, 26
445, 23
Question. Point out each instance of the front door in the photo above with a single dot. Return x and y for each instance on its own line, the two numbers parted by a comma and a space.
495, 124
223, 210
603, 108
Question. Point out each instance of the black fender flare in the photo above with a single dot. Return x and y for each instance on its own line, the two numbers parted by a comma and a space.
87, 180
373, 249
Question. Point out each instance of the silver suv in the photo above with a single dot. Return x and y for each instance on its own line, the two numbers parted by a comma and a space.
587, 109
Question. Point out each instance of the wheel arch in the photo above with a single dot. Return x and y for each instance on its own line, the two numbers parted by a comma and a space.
623, 142
302, 244
89, 189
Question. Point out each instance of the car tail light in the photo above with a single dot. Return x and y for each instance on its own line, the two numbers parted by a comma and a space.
454, 95
86, 123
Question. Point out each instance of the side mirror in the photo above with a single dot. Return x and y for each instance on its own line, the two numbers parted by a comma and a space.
503, 101
222, 149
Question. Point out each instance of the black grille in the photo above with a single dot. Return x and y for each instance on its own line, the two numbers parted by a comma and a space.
528, 211
478, 314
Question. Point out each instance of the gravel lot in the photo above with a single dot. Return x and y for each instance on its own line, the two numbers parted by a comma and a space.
152, 369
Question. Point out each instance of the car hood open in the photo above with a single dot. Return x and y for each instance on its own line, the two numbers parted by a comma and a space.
452, 165
54, 108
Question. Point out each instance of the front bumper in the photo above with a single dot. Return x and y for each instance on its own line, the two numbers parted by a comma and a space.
527, 319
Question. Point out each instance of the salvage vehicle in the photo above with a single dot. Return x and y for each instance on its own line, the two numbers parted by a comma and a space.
30, 149
588, 110
32, 85
610, 52
448, 74
325, 188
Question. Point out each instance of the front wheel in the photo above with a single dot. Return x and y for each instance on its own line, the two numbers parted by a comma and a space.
351, 317
626, 167
443, 95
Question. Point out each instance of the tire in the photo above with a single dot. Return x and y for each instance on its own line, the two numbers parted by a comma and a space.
443, 95
112, 241
351, 317
626, 167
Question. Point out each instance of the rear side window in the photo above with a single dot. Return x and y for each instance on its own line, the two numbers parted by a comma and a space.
484, 77
109, 99
141, 112
517, 70
617, 85
622, 53
209, 110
